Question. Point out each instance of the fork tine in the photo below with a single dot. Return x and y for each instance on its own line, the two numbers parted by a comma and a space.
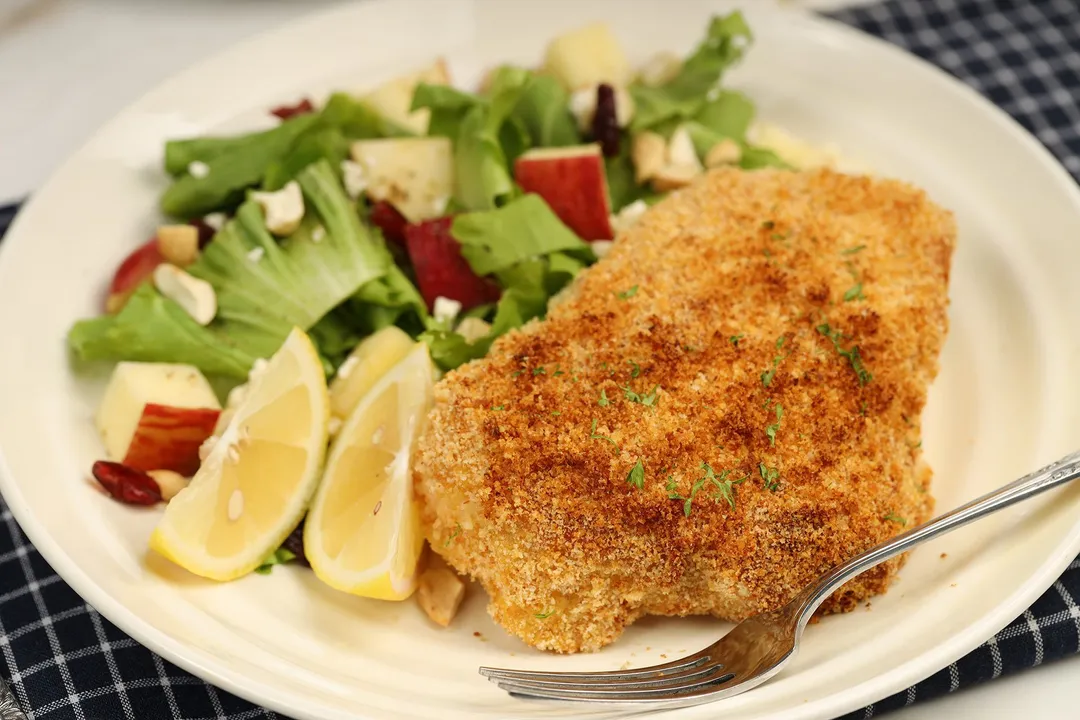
688, 662
669, 679
618, 694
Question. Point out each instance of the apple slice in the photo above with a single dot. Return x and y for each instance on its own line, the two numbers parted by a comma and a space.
393, 99
415, 175
572, 182
154, 416
390, 221
136, 269
587, 57
441, 271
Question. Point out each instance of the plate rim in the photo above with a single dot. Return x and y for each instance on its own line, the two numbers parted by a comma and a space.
216, 672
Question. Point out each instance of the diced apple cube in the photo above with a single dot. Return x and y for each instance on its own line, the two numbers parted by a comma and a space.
441, 271
415, 175
154, 416
587, 57
572, 182
393, 99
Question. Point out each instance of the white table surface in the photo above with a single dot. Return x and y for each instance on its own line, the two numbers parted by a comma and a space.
67, 66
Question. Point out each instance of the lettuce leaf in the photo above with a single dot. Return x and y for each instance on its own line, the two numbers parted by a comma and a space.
543, 110
234, 164
263, 288
529, 286
683, 96
525, 228
152, 328
300, 280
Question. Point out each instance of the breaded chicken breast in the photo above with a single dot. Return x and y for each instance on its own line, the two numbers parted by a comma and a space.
724, 407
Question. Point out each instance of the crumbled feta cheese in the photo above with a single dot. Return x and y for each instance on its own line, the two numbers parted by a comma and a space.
318, 233
356, 181
602, 247
256, 254
627, 217
445, 309
198, 169
215, 220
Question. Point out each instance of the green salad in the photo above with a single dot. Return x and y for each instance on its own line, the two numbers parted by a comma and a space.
453, 215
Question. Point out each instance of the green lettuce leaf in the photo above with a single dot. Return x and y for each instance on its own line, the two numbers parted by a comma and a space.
152, 328
483, 180
296, 282
683, 96
728, 116
543, 110
264, 288
525, 228
528, 287
278, 557
234, 164
448, 107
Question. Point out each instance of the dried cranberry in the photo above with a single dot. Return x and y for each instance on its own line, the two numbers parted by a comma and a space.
392, 223
287, 111
206, 232
126, 484
295, 544
605, 124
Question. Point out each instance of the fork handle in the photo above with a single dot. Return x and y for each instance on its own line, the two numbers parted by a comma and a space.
1053, 475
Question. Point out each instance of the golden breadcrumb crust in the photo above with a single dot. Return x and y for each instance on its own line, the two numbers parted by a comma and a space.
738, 296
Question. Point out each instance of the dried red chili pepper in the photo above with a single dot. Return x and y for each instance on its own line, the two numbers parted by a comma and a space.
126, 484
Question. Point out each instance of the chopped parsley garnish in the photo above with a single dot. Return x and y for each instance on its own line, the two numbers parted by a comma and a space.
771, 476
768, 224
893, 517
853, 250
854, 293
593, 435
768, 375
457, 531
734, 339
544, 615
539, 370
771, 430
556, 412
862, 408
498, 407
637, 476
646, 400
635, 369
603, 401
627, 294
852, 355
724, 488
779, 236
558, 371
516, 373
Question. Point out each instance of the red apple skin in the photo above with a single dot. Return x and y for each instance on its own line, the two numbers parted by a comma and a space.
392, 223
441, 271
574, 186
137, 267
168, 438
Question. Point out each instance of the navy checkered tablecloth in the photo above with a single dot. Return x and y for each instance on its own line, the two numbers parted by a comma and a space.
65, 661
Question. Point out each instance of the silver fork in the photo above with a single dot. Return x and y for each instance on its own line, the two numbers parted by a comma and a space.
759, 647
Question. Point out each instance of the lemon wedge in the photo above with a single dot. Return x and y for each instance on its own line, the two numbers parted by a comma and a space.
253, 487
368, 362
363, 533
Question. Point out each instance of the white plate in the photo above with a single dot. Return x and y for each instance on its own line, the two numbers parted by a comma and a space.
1002, 405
